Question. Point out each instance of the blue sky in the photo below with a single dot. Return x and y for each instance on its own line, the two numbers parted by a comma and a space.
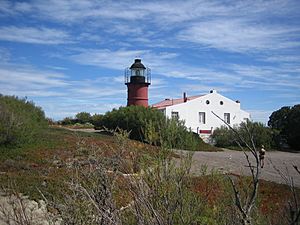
70, 56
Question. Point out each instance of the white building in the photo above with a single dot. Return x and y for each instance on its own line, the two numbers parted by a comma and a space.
196, 111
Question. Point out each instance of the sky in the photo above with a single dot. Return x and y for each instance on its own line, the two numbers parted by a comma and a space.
70, 56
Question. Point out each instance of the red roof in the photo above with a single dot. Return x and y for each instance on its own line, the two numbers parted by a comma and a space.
168, 102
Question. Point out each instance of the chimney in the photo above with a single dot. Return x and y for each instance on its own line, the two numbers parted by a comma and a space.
184, 97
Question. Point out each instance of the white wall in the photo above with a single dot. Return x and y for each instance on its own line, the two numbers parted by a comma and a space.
189, 111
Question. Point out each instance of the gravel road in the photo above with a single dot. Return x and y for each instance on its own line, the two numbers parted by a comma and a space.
230, 161
235, 162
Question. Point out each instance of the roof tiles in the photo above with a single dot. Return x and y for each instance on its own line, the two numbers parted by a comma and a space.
168, 102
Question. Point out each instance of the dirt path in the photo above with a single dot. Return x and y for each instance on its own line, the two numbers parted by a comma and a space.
235, 162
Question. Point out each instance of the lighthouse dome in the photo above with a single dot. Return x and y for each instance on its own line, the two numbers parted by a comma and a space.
137, 64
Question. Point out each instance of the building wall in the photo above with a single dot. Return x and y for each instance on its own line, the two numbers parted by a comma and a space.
189, 112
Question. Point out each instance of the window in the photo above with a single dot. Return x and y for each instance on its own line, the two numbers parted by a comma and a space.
175, 115
227, 117
221, 102
202, 117
207, 102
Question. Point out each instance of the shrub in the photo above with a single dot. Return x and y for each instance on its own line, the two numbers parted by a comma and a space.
83, 117
96, 120
132, 118
224, 137
68, 121
20, 120
150, 125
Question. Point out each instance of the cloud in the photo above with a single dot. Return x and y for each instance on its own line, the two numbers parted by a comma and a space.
227, 77
282, 58
160, 12
4, 55
26, 81
70, 109
239, 35
57, 93
120, 59
267, 77
34, 35
260, 115
165, 64
239, 26
106, 58
236, 46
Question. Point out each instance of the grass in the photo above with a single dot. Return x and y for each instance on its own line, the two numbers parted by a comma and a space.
272, 197
43, 166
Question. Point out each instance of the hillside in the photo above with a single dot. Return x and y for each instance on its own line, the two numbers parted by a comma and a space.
45, 169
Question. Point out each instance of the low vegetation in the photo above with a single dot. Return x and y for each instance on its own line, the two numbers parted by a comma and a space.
20, 120
82, 175
226, 138
87, 178
151, 126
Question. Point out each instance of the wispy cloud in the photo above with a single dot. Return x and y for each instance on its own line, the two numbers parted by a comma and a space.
69, 108
237, 26
228, 76
106, 58
120, 59
260, 115
4, 55
240, 35
25, 81
245, 46
57, 93
34, 35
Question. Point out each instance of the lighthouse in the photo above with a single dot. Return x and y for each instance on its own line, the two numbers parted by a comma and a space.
137, 80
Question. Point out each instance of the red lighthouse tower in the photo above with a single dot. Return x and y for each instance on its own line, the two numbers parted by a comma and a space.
137, 80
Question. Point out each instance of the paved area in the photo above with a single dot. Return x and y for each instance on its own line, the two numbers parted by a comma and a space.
235, 162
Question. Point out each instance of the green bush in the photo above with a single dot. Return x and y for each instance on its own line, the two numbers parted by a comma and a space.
20, 120
262, 135
132, 118
83, 117
223, 137
150, 125
96, 120
293, 129
286, 125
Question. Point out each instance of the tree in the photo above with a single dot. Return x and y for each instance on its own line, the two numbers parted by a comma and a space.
261, 134
293, 128
96, 120
225, 137
287, 121
83, 117
278, 119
